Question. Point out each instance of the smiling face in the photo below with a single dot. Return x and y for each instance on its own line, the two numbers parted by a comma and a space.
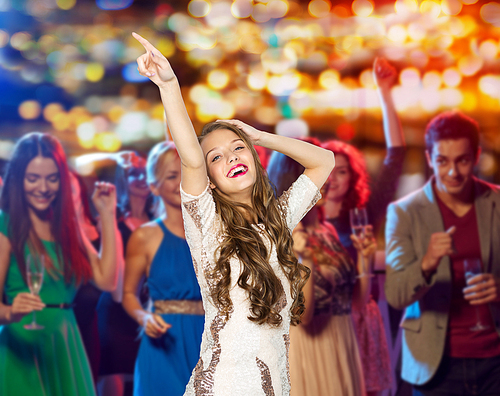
136, 181
41, 183
230, 164
169, 180
339, 180
452, 161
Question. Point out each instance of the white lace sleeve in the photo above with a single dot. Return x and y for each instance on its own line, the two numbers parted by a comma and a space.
198, 213
298, 200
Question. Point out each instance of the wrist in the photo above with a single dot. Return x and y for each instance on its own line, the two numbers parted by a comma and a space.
427, 269
106, 214
264, 139
169, 85
385, 92
143, 318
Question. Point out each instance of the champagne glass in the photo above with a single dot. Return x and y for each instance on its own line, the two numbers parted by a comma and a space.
359, 221
473, 267
35, 268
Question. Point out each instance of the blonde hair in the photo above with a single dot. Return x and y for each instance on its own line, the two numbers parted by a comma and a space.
156, 157
242, 240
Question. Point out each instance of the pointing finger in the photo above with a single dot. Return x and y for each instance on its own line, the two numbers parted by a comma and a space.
145, 43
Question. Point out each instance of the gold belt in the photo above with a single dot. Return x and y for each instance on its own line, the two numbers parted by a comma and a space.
188, 307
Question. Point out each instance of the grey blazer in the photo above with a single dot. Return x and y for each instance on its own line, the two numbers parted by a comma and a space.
410, 223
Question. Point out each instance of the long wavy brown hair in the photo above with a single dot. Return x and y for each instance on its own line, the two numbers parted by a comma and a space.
242, 240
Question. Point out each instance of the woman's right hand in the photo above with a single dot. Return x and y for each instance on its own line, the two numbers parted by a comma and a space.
153, 64
154, 326
366, 246
23, 304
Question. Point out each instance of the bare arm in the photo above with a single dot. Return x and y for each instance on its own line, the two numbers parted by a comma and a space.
385, 76
366, 252
155, 66
318, 162
117, 293
104, 265
136, 265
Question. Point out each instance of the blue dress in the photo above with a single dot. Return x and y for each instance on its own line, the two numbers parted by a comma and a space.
164, 365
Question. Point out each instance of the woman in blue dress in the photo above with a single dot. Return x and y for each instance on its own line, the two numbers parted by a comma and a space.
170, 345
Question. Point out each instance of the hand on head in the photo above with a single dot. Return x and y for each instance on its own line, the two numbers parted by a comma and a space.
251, 132
384, 73
153, 64
129, 159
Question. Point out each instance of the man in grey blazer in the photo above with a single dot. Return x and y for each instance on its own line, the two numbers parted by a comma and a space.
429, 234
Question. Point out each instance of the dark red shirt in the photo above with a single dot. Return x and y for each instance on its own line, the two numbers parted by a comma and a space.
461, 342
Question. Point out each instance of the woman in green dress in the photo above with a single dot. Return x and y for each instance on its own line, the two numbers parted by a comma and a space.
37, 218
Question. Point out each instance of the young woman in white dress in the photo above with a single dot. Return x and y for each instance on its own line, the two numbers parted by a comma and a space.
240, 240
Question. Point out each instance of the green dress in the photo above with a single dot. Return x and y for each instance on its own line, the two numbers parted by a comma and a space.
48, 362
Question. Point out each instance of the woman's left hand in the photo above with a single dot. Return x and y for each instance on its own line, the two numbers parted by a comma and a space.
385, 75
104, 198
250, 131
367, 245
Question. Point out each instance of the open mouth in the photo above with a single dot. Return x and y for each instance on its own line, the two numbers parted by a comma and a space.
237, 170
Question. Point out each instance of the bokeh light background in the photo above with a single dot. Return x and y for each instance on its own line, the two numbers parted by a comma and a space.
68, 67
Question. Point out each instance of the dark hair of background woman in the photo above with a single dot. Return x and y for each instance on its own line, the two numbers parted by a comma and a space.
63, 223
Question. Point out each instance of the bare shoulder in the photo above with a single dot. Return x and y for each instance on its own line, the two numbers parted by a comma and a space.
146, 231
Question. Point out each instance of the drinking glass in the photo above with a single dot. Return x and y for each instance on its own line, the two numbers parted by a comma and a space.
359, 221
473, 267
35, 268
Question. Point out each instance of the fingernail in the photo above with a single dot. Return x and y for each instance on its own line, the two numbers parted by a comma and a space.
152, 54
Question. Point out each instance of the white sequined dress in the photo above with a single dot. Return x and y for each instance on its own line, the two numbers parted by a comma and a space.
239, 357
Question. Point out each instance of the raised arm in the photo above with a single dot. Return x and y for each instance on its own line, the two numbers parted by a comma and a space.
104, 264
318, 162
385, 76
156, 67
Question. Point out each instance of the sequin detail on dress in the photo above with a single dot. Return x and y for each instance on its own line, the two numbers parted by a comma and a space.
267, 382
286, 338
193, 210
230, 346
204, 379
